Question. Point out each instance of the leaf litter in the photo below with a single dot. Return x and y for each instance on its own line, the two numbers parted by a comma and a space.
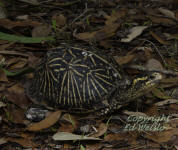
142, 34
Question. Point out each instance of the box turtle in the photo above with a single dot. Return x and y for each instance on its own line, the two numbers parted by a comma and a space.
78, 79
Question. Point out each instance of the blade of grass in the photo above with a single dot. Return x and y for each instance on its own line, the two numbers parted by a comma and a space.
24, 39
22, 71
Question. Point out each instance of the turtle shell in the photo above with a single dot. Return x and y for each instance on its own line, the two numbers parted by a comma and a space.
75, 78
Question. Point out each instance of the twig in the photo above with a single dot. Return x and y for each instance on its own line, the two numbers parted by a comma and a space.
81, 15
13, 53
156, 50
141, 68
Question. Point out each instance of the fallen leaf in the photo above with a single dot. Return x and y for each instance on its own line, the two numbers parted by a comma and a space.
15, 114
105, 44
134, 113
6, 52
24, 39
46, 123
3, 141
154, 64
100, 130
59, 19
167, 13
3, 12
163, 136
26, 143
22, 17
162, 21
134, 32
33, 61
123, 136
115, 16
115, 137
124, 59
158, 93
65, 136
165, 102
16, 94
41, 31
2, 104
16, 63
95, 146
68, 123
170, 80
66, 128
3, 76
106, 32
6, 23
159, 39
152, 111
5, 46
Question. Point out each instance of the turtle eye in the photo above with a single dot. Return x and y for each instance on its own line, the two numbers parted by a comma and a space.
152, 76
155, 76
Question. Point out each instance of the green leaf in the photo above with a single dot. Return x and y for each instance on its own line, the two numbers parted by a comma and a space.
23, 39
22, 71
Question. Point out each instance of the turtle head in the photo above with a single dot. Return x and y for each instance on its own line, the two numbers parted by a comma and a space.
141, 85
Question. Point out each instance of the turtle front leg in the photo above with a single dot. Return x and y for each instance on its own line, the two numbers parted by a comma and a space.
109, 109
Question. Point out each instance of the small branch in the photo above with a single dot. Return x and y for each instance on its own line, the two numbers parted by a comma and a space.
141, 68
13, 53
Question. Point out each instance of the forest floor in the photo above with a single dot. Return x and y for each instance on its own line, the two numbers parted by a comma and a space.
142, 36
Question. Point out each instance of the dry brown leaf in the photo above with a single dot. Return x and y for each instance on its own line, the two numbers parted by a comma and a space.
106, 3
170, 80
16, 63
158, 93
46, 123
16, 94
105, 32
41, 31
33, 61
162, 21
134, 113
66, 128
4, 46
95, 146
115, 16
159, 39
105, 44
174, 106
26, 143
3, 76
125, 136
101, 130
124, 59
16, 115
3, 42
6, 52
165, 102
2, 88
60, 20
70, 123
115, 137
152, 111
163, 136
173, 123
6, 23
